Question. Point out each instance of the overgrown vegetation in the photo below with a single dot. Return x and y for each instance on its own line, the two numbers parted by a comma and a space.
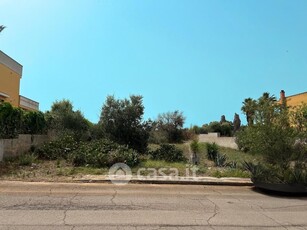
168, 128
168, 153
279, 134
122, 122
14, 121
63, 120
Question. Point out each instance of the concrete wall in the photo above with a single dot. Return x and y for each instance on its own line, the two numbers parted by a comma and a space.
228, 142
22, 144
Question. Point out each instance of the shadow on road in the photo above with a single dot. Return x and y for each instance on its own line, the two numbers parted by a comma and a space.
300, 196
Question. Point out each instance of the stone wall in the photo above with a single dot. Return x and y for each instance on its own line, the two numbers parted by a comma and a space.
228, 142
22, 144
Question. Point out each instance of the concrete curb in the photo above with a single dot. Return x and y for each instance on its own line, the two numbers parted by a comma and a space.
228, 181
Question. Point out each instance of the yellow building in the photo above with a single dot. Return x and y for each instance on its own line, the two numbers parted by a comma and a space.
10, 75
293, 100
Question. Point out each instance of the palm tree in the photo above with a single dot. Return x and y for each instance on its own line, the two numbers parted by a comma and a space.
2, 27
267, 108
249, 109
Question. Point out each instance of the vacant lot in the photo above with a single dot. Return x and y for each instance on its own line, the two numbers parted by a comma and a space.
28, 168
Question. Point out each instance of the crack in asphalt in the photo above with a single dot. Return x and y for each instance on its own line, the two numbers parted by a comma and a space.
69, 205
216, 209
113, 197
275, 221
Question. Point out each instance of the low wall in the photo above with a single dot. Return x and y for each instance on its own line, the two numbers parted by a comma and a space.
228, 142
22, 144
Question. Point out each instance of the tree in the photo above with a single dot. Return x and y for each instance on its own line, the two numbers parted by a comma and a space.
249, 108
172, 124
266, 109
224, 128
2, 27
62, 118
236, 123
223, 119
33, 122
270, 131
122, 122
298, 118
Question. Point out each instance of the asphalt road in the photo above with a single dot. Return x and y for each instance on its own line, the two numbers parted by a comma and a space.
106, 206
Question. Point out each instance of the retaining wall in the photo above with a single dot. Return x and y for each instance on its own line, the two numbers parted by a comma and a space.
228, 142
22, 144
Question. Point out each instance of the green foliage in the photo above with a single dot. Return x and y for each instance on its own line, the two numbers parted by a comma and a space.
33, 122
171, 124
57, 149
283, 146
298, 117
249, 108
121, 122
231, 172
195, 146
63, 119
224, 128
10, 120
96, 132
220, 160
199, 130
212, 151
168, 153
236, 123
268, 173
158, 137
26, 159
103, 153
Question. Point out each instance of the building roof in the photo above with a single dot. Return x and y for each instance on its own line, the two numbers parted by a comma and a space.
297, 94
10, 63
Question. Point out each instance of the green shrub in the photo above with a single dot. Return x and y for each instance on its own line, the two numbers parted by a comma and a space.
220, 160
103, 153
26, 159
33, 122
57, 149
168, 153
212, 151
10, 120
276, 174
195, 146
122, 121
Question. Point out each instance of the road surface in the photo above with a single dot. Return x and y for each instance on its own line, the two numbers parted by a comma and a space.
138, 206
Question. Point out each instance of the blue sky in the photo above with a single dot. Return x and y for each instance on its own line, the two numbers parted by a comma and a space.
198, 56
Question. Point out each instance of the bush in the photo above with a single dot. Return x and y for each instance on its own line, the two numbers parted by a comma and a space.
168, 153
103, 153
195, 146
212, 151
57, 149
279, 136
63, 119
10, 120
33, 122
172, 124
220, 160
122, 122
157, 137
224, 128
26, 159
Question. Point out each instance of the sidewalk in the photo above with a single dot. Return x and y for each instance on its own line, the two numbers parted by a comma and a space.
230, 181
